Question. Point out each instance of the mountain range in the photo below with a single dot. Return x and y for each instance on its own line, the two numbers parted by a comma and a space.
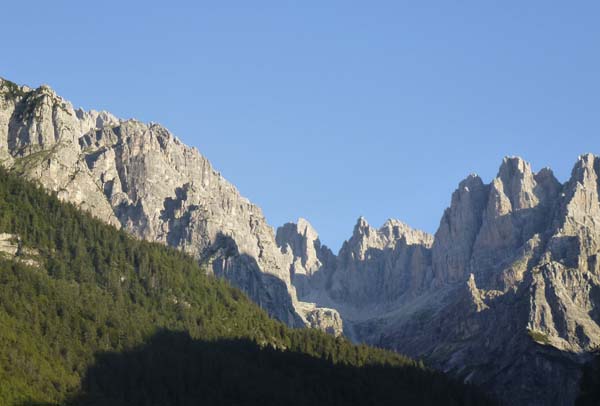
505, 295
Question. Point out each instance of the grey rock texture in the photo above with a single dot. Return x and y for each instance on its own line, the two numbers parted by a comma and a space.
140, 177
505, 295
381, 265
11, 247
328, 320
301, 241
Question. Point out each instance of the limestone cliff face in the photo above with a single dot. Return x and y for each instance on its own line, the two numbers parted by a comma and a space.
374, 267
381, 265
310, 258
140, 177
506, 295
458, 229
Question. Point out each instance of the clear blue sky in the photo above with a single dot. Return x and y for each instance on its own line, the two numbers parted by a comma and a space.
331, 109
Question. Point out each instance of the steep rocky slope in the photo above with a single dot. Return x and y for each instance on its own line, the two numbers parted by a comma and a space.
139, 176
91, 316
506, 295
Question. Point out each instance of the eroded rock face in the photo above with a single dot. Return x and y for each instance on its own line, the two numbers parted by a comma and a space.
381, 265
506, 295
310, 258
140, 177
453, 244
327, 319
11, 247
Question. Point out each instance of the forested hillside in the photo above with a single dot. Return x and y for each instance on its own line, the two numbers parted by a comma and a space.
89, 315
590, 383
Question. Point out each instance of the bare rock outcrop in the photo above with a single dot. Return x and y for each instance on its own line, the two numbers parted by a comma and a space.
310, 258
140, 177
505, 295
12, 247
382, 264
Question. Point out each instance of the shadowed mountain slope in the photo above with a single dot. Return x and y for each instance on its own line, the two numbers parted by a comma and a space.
73, 289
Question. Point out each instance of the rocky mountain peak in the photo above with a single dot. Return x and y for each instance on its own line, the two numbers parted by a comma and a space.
513, 268
142, 178
585, 171
579, 207
485, 223
361, 227
363, 237
472, 181
93, 119
309, 257
47, 90
459, 226
10, 89
512, 165
302, 239
517, 183
306, 229
548, 186
393, 230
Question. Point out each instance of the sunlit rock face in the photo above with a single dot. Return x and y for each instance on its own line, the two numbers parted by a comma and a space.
142, 178
381, 264
506, 294
309, 257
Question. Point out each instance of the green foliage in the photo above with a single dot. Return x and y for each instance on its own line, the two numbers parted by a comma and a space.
239, 372
10, 89
539, 337
32, 160
99, 293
